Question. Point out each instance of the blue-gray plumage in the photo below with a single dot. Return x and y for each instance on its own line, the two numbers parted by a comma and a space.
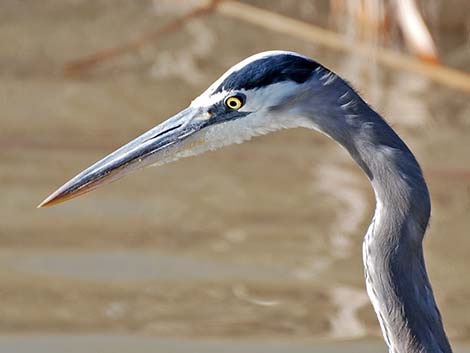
274, 90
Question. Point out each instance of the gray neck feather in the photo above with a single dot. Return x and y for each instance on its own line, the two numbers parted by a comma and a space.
396, 278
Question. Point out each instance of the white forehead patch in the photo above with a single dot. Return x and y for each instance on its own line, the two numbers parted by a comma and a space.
207, 98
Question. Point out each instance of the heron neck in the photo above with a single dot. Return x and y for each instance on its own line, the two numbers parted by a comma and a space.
396, 278
395, 271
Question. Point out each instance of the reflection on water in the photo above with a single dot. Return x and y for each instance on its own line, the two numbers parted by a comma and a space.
345, 322
258, 243
125, 344
137, 265
118, 344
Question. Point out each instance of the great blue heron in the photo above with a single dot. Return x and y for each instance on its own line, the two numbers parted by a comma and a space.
275, 90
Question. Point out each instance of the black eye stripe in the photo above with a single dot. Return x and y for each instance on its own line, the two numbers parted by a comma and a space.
268, 70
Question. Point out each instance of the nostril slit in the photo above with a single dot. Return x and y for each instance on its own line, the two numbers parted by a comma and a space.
164, 132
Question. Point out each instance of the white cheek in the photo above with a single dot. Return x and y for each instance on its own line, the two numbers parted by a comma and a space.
255, 124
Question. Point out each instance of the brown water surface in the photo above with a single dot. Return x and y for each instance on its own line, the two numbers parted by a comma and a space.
256, 247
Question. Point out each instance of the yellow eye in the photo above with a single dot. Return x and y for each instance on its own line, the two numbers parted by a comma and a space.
234, 102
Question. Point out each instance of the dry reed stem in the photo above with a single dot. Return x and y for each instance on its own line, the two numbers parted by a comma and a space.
80, 65
279, 23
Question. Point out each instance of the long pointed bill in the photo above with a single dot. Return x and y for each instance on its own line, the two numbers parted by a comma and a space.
167, 141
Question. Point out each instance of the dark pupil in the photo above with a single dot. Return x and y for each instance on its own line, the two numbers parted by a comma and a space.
233, 103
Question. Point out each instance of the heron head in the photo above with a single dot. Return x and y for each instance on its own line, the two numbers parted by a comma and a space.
262, 93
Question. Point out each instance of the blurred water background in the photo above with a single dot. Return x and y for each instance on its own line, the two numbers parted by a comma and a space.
253, 248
